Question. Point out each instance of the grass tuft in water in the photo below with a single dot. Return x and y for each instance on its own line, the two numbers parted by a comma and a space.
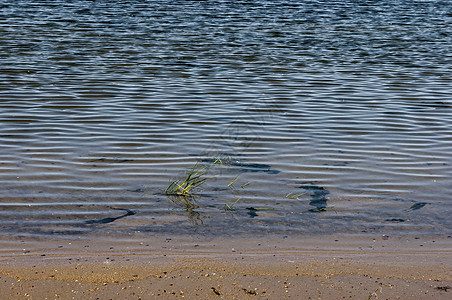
195, 178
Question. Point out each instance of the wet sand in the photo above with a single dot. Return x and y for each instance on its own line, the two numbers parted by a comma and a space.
327, 267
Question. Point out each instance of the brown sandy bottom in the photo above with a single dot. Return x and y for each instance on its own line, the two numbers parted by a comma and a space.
246, 268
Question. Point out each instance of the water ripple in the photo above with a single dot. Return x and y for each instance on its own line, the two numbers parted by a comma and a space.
342, 103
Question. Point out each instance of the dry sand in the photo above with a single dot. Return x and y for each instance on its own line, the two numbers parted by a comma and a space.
247, 268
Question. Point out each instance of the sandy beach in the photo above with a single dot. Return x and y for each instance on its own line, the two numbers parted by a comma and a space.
365, 267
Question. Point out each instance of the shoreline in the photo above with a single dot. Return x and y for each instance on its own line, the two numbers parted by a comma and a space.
357, 267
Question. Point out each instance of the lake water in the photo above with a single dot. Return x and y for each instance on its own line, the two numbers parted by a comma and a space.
327, 116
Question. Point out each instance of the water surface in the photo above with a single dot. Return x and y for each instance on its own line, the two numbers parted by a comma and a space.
335, 116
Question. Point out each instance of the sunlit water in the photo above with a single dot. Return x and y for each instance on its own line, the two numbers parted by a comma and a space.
331, 117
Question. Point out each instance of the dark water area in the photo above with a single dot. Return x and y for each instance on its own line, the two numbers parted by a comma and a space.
328, 117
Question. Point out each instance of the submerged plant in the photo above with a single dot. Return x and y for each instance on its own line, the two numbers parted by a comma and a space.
231, 184
187, 203
294, 196
244, 185
195, 178
194, 218
230, 206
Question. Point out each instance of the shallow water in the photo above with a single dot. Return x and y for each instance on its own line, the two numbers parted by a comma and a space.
336, 113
